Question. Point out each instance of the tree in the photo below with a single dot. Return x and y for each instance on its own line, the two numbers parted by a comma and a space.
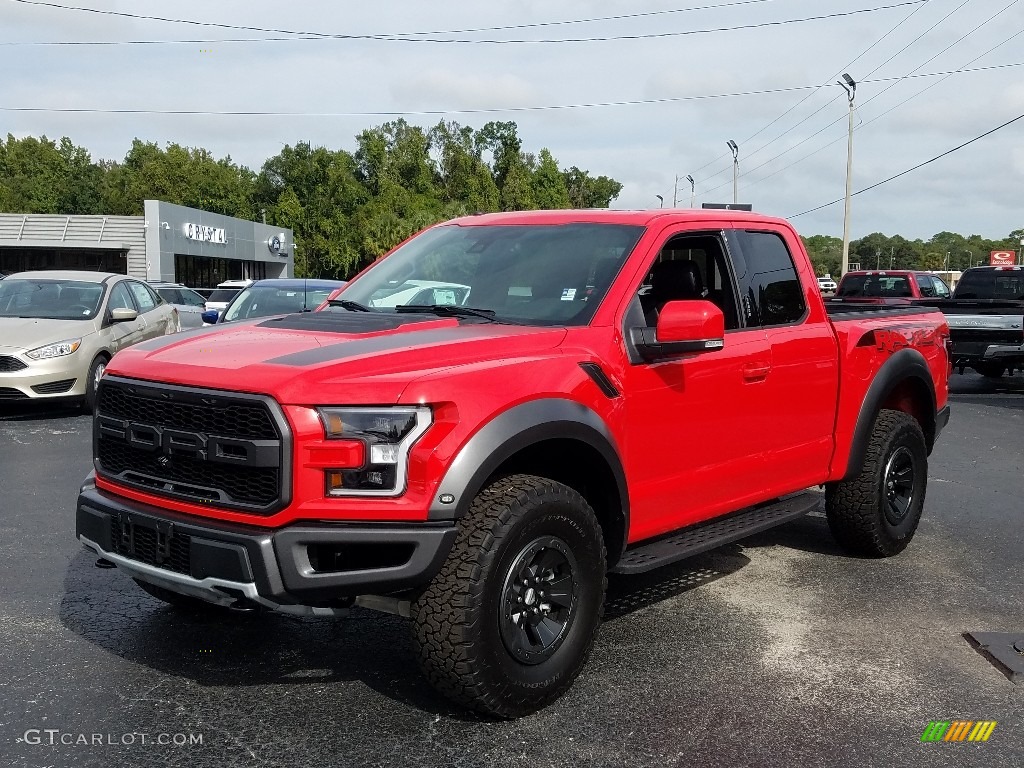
40, 176
548, 184
588, 192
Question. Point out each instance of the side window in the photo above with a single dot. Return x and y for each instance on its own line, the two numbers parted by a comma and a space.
143, 296
171, 295
940, 288
120, 298
772, 292
194, 299
690, 266
925, 285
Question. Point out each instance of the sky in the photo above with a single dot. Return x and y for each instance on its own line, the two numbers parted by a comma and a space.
646, 92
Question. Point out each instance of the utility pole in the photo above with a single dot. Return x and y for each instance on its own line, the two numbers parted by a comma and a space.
850, 86
675, 192
735, 148
693, 194
878, 258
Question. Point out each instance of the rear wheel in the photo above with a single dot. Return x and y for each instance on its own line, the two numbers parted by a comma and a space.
990, 370
876, 513
508, 623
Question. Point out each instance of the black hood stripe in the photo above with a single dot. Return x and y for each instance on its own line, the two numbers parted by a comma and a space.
392, 342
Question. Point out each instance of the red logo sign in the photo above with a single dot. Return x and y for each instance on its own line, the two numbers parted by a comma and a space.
1002, 258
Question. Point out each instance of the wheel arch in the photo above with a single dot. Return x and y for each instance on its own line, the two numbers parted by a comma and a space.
903, 383
555, 438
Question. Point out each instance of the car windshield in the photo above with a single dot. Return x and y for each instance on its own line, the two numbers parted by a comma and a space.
263, 300
223, 294
855, 286
51, 299
990, 284
538, 275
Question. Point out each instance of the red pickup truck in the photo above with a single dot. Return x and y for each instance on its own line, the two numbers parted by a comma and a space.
890, 286
617, 391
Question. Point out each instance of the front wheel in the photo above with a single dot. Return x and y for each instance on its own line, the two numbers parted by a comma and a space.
508, 623
96, 371
876, 513
990, 370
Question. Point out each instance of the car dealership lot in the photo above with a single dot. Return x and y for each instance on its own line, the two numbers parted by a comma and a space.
779, 651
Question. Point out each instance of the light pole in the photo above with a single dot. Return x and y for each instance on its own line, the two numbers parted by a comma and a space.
735, 148
850, 86
662, 199
693, 193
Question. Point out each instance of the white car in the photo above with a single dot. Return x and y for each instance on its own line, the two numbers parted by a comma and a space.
420, 292
224, 293
827, 285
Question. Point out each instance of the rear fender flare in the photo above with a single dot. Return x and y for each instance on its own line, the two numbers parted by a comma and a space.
904, 364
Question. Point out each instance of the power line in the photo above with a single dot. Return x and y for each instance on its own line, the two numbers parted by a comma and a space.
827, 82
534, 25
894, 81
482, 110
916, 167
417, 38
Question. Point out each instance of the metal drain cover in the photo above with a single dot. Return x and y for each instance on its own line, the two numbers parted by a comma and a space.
1004, 649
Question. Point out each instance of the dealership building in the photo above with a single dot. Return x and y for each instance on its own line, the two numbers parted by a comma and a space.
168, 243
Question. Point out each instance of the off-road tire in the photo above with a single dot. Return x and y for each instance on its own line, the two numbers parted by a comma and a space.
463, 645
858, 509
181, 602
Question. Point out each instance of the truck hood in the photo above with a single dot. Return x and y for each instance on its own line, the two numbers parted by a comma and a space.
327, 358
24, 333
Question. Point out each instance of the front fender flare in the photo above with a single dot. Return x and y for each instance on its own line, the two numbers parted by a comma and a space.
513, 430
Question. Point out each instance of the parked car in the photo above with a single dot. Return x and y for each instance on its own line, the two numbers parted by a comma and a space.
986, 320
827, 284
222, 295
481, 469
59, 330
890, 286
275, 297
189, 303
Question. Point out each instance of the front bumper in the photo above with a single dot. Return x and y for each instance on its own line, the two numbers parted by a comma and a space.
299, 569
968, 353
54, 377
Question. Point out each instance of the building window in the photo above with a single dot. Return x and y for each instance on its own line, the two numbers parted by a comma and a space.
208, 272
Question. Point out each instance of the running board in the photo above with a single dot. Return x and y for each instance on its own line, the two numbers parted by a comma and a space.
648, 555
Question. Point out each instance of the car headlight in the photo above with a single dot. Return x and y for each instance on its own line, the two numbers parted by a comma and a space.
58, 349
382, 438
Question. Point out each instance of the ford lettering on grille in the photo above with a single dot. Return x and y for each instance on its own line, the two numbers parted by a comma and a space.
182, 443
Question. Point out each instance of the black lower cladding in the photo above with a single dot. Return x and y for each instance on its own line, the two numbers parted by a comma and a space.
308, 564
196, 445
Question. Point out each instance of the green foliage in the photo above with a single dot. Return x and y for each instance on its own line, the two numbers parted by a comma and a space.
41, 176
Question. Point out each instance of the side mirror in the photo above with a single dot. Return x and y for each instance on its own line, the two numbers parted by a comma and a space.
683, 326
122, 315
210, 316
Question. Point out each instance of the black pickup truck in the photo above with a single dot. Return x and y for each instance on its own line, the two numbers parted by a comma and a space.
986, 320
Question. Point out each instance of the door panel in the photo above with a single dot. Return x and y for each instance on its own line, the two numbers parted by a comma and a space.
690, 447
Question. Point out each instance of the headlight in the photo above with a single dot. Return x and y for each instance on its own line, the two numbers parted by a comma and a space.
385, 435
59, 349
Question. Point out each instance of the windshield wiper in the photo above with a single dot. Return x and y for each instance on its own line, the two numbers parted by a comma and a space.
452, 310
351, 306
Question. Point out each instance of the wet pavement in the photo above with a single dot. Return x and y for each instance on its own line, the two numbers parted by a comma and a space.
779, 651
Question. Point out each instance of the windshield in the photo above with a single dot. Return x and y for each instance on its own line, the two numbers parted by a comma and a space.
990, 284
537, 274
52, 299
875, 285
263, 300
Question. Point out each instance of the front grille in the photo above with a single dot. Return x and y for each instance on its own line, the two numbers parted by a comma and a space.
10, 364
193, 445
9, 393
137, 542
53, 387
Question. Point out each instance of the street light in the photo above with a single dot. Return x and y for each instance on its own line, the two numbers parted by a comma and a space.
693, 191
735, 148
850, 86
662, 200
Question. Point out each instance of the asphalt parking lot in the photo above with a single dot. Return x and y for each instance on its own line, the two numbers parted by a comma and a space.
780, 651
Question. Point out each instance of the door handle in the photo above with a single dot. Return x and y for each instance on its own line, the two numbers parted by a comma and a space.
756, 371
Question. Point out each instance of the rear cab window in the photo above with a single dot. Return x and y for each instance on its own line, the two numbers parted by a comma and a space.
771, 291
